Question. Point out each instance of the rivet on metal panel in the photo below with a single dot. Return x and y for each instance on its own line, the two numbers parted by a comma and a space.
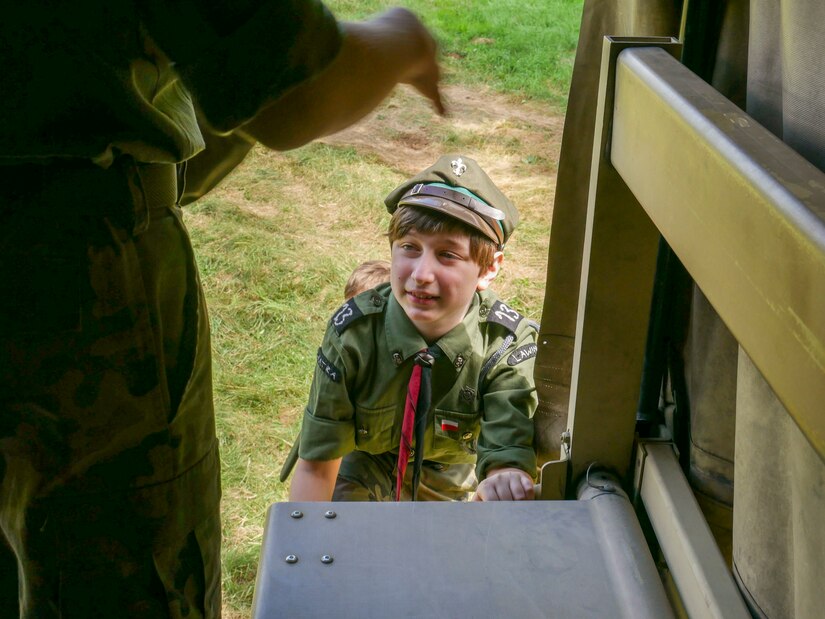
330, 514
291, 559
327, 559
297, 514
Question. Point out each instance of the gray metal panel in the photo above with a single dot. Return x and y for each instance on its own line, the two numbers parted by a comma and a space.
509, 559
703, 169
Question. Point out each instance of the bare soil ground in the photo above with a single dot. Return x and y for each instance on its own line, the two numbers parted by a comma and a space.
520, 127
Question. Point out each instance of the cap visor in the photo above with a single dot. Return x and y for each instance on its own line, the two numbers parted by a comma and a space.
456, 211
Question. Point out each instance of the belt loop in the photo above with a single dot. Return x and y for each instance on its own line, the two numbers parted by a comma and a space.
158, 190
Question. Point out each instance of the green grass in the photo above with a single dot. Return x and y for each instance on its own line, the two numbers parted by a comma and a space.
524, 47
277, 241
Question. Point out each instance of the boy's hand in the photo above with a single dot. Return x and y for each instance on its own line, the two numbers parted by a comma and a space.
505, 484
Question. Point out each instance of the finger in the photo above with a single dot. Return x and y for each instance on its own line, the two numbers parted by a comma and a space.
516, 487
438, 102
493, 492
527, 487
429, 88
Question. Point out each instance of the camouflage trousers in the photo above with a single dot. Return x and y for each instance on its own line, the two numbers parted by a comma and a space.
367, 477
109, 468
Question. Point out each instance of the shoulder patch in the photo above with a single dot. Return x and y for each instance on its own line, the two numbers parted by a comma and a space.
504, 315
522, 353
345, 315
333, 373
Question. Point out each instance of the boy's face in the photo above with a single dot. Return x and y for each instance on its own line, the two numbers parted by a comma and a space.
434, 278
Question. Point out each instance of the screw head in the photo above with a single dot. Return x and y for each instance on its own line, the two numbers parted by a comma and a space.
291, 559
327, 559
297, 514
330, 514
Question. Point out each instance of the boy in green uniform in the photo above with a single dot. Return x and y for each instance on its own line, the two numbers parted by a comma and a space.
432, 369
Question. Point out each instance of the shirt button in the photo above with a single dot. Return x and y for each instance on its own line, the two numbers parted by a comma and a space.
412, 452
459, 362
376, 300
467, 436
397, 358
483, 311
363, 431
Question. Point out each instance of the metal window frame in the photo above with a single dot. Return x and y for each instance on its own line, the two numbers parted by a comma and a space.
745, 214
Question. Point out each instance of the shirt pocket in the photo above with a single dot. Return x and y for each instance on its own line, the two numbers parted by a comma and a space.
374, 429
455, 432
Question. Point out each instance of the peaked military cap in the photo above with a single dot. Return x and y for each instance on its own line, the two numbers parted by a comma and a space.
457, 186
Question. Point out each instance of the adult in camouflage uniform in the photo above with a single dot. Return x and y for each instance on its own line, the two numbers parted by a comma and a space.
482, 375
109, 469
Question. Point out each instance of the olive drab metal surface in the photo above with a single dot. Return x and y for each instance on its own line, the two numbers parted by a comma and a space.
740, 405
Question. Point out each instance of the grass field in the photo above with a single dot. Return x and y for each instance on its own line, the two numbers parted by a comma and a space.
276, 242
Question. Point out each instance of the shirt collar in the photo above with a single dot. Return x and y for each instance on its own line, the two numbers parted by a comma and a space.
403, 338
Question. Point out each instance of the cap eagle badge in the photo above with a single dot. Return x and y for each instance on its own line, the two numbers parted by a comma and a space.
458, 166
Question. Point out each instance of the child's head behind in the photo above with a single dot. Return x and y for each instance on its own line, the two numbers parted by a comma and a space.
367, 275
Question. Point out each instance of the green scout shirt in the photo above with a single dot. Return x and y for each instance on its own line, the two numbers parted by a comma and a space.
365, 361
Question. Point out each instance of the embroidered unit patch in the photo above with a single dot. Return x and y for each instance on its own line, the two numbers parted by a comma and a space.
333, 373
523, 353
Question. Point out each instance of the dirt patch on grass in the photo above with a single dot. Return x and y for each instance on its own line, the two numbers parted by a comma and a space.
405, 133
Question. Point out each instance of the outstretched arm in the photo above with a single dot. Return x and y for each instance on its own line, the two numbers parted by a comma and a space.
375, 55
314, 480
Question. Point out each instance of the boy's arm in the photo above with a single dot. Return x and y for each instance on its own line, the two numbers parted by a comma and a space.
505, 484
314, 480
506, 459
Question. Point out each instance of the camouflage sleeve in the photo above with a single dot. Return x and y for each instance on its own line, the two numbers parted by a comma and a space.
236, 56
509, 396
328, 429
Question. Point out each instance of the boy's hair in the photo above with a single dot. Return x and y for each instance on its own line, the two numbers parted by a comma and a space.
367, 275
427, 221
